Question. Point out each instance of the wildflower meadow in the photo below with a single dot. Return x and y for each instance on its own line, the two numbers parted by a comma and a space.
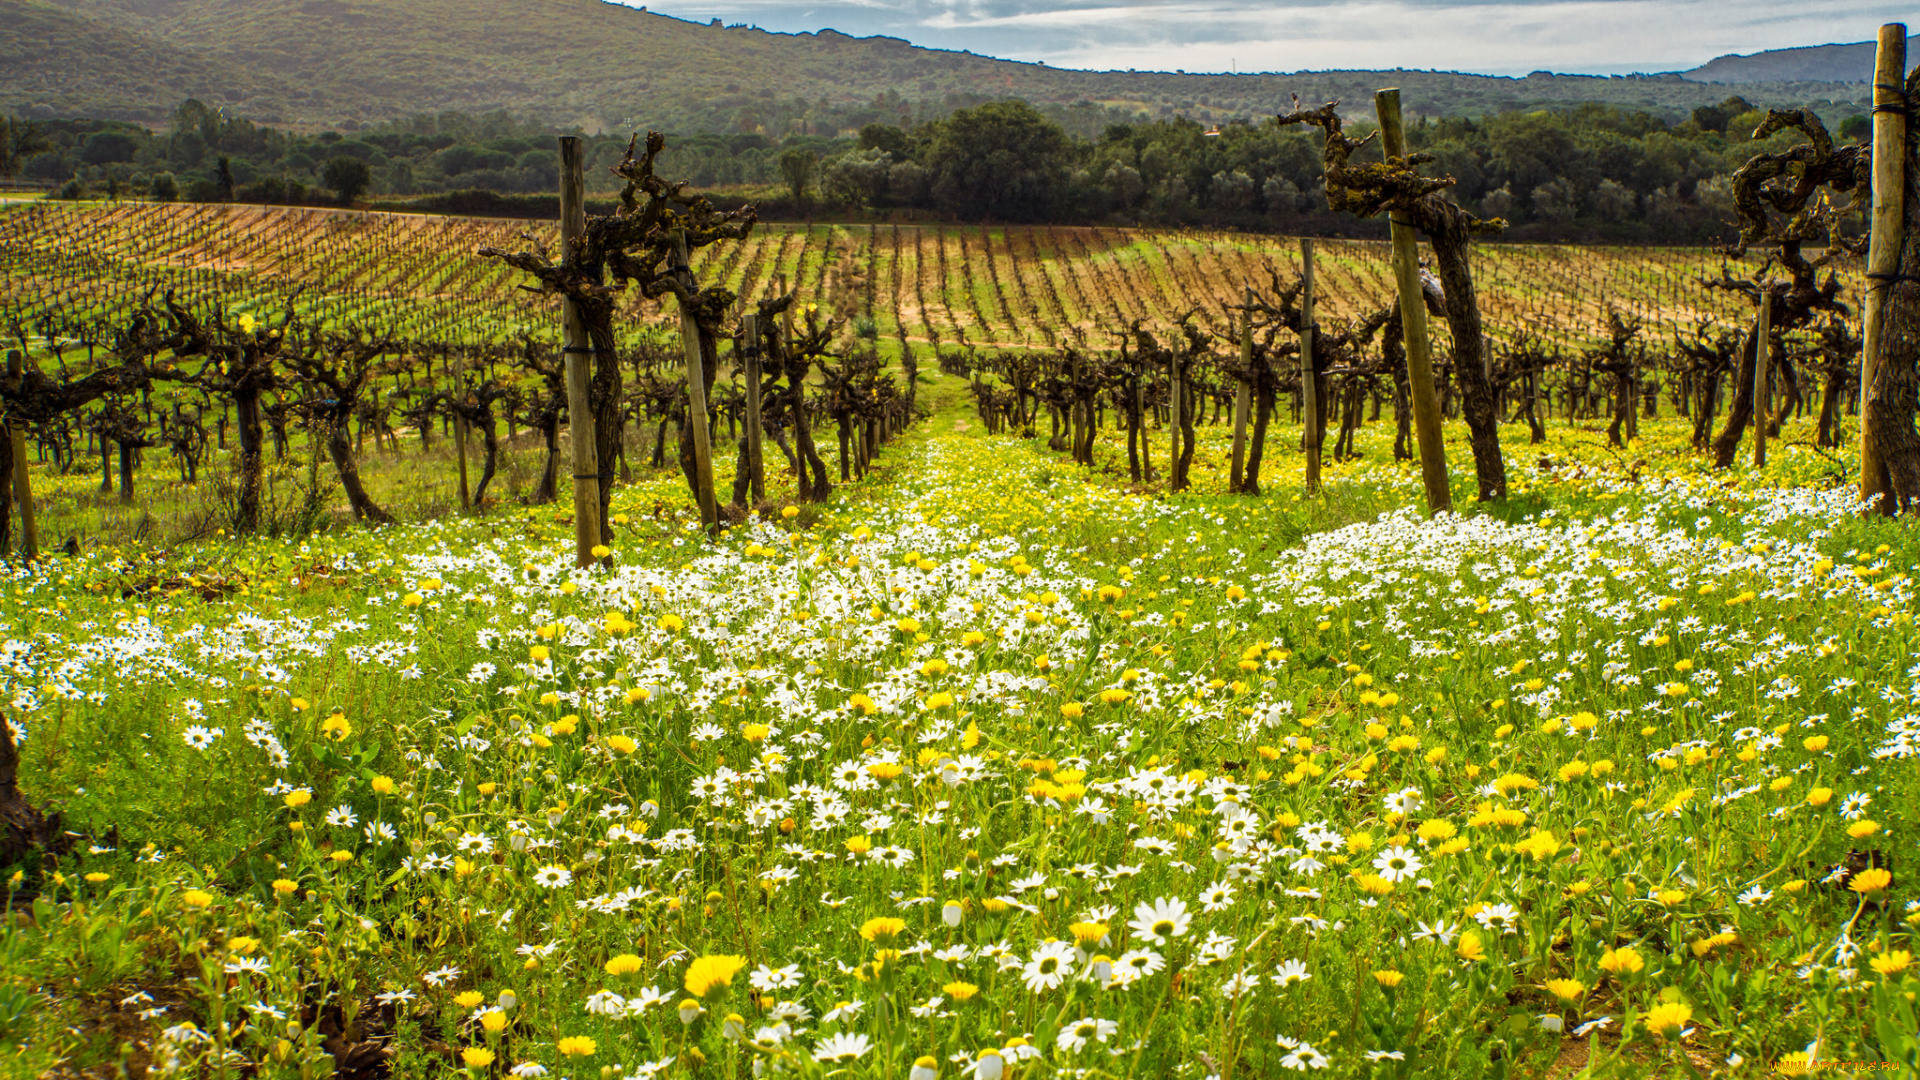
989, 767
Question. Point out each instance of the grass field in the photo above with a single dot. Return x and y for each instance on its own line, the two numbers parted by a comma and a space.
989, 765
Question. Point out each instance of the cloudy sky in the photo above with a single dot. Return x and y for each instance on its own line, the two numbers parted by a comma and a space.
1491, 36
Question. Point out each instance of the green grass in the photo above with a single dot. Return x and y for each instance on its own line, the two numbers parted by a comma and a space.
1047, 637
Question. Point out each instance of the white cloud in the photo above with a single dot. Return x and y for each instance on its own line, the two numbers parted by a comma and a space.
1575, 36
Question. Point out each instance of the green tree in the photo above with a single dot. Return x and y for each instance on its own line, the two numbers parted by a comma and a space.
1002, 159
18, 138
347, 176
797, 166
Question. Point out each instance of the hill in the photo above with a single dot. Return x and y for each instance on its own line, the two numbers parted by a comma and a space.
1851, 63
605, 66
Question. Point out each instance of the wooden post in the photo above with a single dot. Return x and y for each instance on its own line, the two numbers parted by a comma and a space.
750, 334
1240, 396
577, 350
460, 430
1309, 383
696, 389
1413, 323
1762, 365
1173, 418
22, 477
1140, 411
1883, 244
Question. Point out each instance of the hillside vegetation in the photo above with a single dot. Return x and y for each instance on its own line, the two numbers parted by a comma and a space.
603, 65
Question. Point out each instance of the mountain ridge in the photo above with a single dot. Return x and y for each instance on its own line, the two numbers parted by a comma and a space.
606, 66
1848, 62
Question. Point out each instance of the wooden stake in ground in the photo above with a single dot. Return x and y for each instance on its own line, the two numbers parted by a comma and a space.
1413, 323
1174, 405
1884, 242
696, 390
1309, 382
1762, 365
1241, 395
750, 335
22, 478
460, 432
577, 348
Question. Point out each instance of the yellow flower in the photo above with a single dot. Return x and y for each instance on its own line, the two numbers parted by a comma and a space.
1871, 880
1893, 963
576, 1046
1819, 796
753, 732
413, 599
1621, 961
708, 972
1670, 897
283, 886
1072, 710
960, 991
493, 1020
477, 1057
1388, 978
383, 784
1863, 828
600, 551
1085, 933
1564, 989
97, 877
624, 964
1815, 743
1667, 1019
196, 898
297, 798
670, 623
1542, 845
623, 744
1470, 949
882, 927
884, 770
335, 727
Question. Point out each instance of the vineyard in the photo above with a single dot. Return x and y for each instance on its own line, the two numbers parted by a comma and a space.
967, 653
929, 287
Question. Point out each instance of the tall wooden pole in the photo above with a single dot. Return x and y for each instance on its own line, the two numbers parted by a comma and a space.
750, 335
1413, 323
1241, 394
459, 430
696, 389
1884, 242
1762, 365
22, 477
577, 348
1309, 382
1173, 418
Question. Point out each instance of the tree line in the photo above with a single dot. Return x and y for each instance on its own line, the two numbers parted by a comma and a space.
1588, 172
